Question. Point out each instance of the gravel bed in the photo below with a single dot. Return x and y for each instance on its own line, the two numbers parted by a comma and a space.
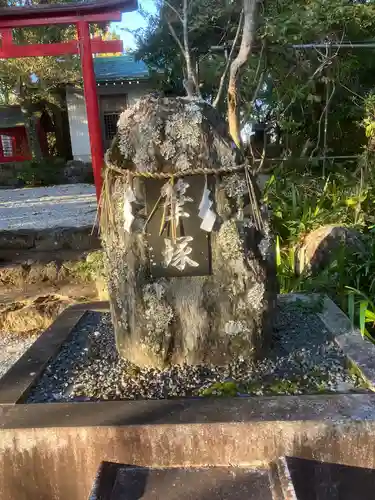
12, 347
303, 360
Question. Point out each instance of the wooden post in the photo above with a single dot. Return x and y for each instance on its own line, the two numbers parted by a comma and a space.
92, 106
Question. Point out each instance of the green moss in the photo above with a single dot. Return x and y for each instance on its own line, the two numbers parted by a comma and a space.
290, 386
254, 387
321, 387
221, 389
92, 268
284, 386
355, 371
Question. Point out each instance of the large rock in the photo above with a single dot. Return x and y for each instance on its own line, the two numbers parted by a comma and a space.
77, 171
225, 312
320, 246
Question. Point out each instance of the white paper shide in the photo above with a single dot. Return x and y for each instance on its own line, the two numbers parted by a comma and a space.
206, 213
129, 198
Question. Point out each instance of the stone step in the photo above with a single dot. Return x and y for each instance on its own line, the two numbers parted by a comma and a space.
288, 478
222, 483
313, 480
15, 242
30, 274
33, 274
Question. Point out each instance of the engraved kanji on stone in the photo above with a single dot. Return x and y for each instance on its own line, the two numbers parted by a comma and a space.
176, 254
175, 199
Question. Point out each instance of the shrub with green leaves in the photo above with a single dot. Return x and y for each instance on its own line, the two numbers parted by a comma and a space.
303, 202
43, 173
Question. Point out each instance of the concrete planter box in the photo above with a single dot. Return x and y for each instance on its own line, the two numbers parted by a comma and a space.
54, 451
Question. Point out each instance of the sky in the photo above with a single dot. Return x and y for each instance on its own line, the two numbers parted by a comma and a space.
133, 20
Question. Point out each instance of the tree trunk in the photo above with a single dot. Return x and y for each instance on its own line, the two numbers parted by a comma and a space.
32, 132
249, 28
217, 308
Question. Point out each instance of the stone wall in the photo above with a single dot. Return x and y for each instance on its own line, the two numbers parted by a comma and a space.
49, 240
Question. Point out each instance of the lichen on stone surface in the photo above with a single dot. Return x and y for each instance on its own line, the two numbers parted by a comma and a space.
248, 223
157, 132
255, 296
266, 244
236, 327
186, 126
158, 314
235, 185
183, 163
229, 242
168, 149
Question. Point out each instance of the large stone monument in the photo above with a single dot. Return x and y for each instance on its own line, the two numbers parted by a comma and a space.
189, 254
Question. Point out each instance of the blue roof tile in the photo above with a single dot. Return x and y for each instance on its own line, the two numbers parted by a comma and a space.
119, 68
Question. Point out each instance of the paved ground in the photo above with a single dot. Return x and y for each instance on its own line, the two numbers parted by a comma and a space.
66, 206
47, 207
12, 348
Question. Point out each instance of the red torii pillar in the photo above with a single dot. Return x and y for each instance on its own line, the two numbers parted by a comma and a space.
81, 15
92, 105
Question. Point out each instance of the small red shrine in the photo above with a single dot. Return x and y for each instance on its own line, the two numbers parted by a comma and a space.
81, 14
14, 144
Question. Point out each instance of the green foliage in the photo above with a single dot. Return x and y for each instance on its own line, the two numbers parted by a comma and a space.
92, 268
281, 85
369, 119
362, 309
303, 203
302, 81
41, 173
220, 389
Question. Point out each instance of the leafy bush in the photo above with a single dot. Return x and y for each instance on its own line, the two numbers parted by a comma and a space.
44, 173
302, 203
92, 268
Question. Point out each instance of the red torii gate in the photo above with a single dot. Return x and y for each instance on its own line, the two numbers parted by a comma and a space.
81, 15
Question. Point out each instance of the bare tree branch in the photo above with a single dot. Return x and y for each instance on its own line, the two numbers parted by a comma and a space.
229, 61
257, 89
258, 69
174, 10
248, 34
177, 40
190, 83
